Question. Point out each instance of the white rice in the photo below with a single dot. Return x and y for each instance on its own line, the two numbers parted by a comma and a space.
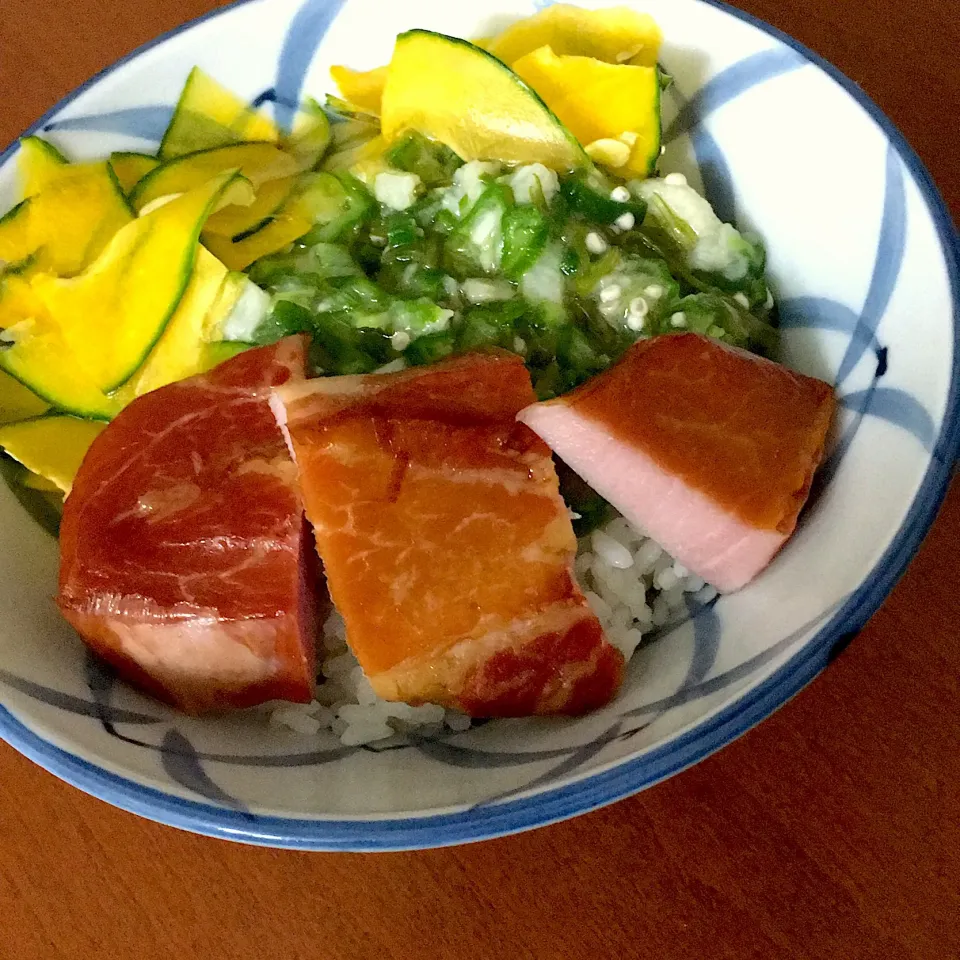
631, 583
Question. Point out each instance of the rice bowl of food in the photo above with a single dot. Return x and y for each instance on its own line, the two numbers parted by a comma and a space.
426, 423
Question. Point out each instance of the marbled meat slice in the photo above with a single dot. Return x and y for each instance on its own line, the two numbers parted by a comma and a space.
446, 544
708, 449
185, 561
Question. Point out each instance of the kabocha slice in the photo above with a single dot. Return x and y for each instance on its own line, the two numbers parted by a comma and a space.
75, 341
506, 121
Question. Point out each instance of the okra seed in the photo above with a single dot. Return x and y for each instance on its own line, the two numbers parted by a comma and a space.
595, 243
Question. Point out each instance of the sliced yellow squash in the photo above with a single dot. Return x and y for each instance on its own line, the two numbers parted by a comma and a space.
83, 200
131, 168
17, 402
180, 352
362, 89
33, 481
288, 225
18, 302
354, 130
111, 316
310, 136
240, 307
257, 162
51, 447
237, 220
208, 115
611, 34
37, 163
17, 248
227, 297
40, 358
41, 364
600, 101
481, 110
271, 169
65, 226
364, 159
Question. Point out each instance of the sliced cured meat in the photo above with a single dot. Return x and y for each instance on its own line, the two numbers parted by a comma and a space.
708, 449
446, 545
184, 559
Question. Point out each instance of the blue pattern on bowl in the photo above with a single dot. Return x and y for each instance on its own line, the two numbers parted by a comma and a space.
721, 89
306, 30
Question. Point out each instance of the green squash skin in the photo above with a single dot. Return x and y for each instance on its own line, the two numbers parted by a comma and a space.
581, 161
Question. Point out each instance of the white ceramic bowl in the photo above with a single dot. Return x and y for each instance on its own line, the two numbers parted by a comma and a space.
864, 262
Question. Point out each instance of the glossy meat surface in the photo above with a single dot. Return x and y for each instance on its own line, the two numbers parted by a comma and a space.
184, 558
708, 449
446, 545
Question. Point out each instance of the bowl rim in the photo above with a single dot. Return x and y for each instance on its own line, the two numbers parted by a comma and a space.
623, 779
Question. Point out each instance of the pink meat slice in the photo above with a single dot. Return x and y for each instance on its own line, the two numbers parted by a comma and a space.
708, 449
185, 561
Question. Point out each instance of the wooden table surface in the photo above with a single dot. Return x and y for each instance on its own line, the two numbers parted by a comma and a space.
831, 832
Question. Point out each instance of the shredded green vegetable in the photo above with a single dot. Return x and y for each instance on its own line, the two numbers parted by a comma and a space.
565, 272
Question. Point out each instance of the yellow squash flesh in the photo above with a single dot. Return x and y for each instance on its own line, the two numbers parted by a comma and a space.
226, 299
38, 162
611, 34
131, 168
17, 402
208, 115
239, 218
181, 351
44, 368
600, 101
112, 315
33, 481
356, 143
40, 357
288, 225
308, 140
362, 89
17, 248
257, 162
481, 110
364, 160
64, 227
51, 447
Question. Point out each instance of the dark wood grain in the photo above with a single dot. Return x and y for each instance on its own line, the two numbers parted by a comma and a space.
831, 832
